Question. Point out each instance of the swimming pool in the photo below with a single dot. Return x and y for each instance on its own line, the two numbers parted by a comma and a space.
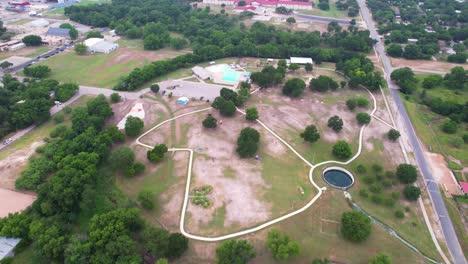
231, 76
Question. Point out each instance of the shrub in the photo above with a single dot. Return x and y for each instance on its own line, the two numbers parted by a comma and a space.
342, 149
154, 88
58, 118
363, 118
351, 104
362, 101
399, 214
135, 169
294, 87
456, 142
377, 198
369, 179
363, 193
133, 126
157, 153
390, 202
361, 169
387, 183
122, 158
323, 83
59, 131
407, 209
115, 98
247, 143
465, 138
310, 134
177, 245
234, 251
210, 122
281, 245
40, 71
449, 126
375, 188
335, 123
406, 173
355, 226
146, 199
412, 193
377, 167
251, 114
389, 174
393, 134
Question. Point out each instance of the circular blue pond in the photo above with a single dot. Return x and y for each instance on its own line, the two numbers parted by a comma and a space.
338, 177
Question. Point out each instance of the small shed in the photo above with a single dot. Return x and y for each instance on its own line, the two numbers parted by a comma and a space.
301, 60
7, 245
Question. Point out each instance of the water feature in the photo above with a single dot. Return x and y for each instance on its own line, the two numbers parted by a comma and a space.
338, 177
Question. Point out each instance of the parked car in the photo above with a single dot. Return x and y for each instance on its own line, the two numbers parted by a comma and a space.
7, 141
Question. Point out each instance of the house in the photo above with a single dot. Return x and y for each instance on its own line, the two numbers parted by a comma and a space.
7, 245
412, 40
58, 32
100, 45
301, 60
53, 40
201, 72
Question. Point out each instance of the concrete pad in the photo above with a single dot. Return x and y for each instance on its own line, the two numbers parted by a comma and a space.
191, 89
16, 60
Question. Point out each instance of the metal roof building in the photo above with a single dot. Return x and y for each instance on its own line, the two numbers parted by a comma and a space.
7, 245
100, 45
59, 32
201, 72
301, 60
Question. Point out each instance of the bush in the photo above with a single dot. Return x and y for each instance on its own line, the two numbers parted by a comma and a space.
363, 193
361, 169
122, 158
387, 183
377, 167
281, 245
251, 114
465, 138
362, 102
412, 193
67, 109
310, 134
406, 173
457, 142
449, 126
210, 122
32, 40
59, 118
377, 198
342, 150
177, 245
294, 87
154, 88
355, 226
363, 118
375, 188
234, 251
146, 199
389, 174
247, 143
157, 153
136, 169
323, 83
393, 134
133, 126
115, 98
335, 123
351, 104
390, 202
369, 179
40, 71
399, 214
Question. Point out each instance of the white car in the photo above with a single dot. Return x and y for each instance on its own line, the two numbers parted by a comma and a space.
7, 141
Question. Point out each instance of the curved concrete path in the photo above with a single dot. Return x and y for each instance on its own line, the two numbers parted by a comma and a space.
268, 223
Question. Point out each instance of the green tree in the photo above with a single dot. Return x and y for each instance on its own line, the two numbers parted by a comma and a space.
40, 71
351, 104
226, 107
456, 78
155, 240
381, 258
146, 199
355, 226
59, 118
320, 261
394, 50
281, 245
335, 123
308, 67
294, 87
362, 102
210, 122
291, 20
178, 43
247, 143
310, 134
404, 77
393, 134
323, 83
251, 114
94, 34
81, 49
32, 40
73, 32
115, 98
363, 118
432, 81
411, 193
154, 88
157, 153
178, 244
234, 252
449, 126
5, 64
122, 158
342, 150
133, 126
65, 91
406, 173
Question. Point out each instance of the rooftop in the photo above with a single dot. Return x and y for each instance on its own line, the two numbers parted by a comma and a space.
464, 186
60, 32
7, 245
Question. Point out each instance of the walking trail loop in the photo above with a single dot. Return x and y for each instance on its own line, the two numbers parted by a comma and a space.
271, 222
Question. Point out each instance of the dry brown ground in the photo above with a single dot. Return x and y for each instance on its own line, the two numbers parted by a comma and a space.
14, 201
442, 174
425, 64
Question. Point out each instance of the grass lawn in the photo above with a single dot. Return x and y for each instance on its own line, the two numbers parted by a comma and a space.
333, 12
25, 257
39, 133
454, 214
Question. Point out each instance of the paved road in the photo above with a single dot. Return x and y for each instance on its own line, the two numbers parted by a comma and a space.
323, 19
433, 189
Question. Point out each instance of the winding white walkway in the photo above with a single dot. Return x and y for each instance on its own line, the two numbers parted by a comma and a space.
271, 222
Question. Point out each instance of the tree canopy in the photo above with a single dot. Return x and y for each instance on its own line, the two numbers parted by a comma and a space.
281, 246
355, 226
234, 252
294, 87
133, 126
247, 142
406, 173
310, 134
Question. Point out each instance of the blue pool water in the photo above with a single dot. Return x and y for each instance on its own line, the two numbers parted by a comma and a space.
338, 179
231, 76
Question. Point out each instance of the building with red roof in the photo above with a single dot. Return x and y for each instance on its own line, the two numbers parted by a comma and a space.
464, 186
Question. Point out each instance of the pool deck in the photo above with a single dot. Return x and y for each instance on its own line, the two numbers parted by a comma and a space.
192, 90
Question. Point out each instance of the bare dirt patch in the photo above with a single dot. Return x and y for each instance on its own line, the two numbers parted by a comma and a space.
442, 174
14, 201
426, 65
12, 166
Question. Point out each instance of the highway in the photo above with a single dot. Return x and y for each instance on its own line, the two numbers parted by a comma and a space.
323, 19
432, 188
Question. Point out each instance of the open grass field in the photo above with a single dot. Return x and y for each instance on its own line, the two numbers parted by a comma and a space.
333, 12
104, 70
458, 224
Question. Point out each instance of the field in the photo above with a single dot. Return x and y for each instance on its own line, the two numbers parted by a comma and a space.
104, 70
333, 12
30, 52
428, 124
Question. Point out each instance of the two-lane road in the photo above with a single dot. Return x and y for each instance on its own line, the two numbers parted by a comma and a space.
433, 190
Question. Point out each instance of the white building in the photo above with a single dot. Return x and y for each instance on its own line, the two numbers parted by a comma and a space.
201, 72
100, 45
301, 60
